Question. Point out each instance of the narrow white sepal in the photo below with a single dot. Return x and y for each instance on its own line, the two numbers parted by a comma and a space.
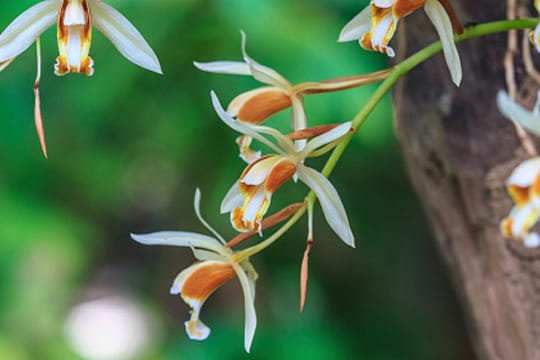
263, 73
124, 36
357, 27
329, 136
180, 238
440, 19
249, 306
515, 112
24, 30
224, 67
331, 204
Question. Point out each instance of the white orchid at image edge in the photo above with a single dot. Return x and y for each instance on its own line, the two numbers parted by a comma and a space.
217, 264
375, 26
249, 198
75, 19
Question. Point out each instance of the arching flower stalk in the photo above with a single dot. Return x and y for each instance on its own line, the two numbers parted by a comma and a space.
375, 26
216, 265
249, 198
75, 19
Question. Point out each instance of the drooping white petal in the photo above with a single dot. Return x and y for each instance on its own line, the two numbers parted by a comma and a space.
263, 73
24, 30
249, 307
357, 27
440, 19
124, 36
224, 67
331, 204
518, 113
180, 238
233, 199
327, 137
197, 207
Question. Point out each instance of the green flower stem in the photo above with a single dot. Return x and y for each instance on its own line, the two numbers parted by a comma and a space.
399, 70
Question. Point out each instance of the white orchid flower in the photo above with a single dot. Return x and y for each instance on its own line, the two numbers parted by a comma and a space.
249, 198
216, 266
524, 188
75, 19
375, 26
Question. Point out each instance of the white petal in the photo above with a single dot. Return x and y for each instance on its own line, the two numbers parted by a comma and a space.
124, 36
249, 307
24, 30
328, 137
525, 174
180, 238
331, 204
232, 199
438, 16
357, 27
263, 73
518, 113
258, 172
532, 240
224, 67
197, 207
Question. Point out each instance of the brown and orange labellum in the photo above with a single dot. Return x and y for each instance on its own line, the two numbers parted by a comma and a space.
258, 105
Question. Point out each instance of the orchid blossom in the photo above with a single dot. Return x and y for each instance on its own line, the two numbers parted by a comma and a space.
216, 266
375, 26
249, 198
524, 188
75, 19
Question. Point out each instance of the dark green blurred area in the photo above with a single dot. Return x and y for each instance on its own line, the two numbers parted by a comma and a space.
127, 148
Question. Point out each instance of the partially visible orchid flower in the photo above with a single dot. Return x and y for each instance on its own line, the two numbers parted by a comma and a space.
375, 26
255, 106
524, 188
249, 198
217, 264
535, 35
75, 19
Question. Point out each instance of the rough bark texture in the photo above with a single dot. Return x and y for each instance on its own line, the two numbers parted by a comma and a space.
459, 151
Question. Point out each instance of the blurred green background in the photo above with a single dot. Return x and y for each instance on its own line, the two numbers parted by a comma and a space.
127, 148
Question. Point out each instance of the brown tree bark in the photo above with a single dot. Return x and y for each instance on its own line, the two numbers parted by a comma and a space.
459, 151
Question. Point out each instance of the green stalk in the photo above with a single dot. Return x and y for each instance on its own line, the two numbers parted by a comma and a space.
399, 70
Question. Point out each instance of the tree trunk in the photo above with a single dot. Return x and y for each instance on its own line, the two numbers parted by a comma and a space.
459, 151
